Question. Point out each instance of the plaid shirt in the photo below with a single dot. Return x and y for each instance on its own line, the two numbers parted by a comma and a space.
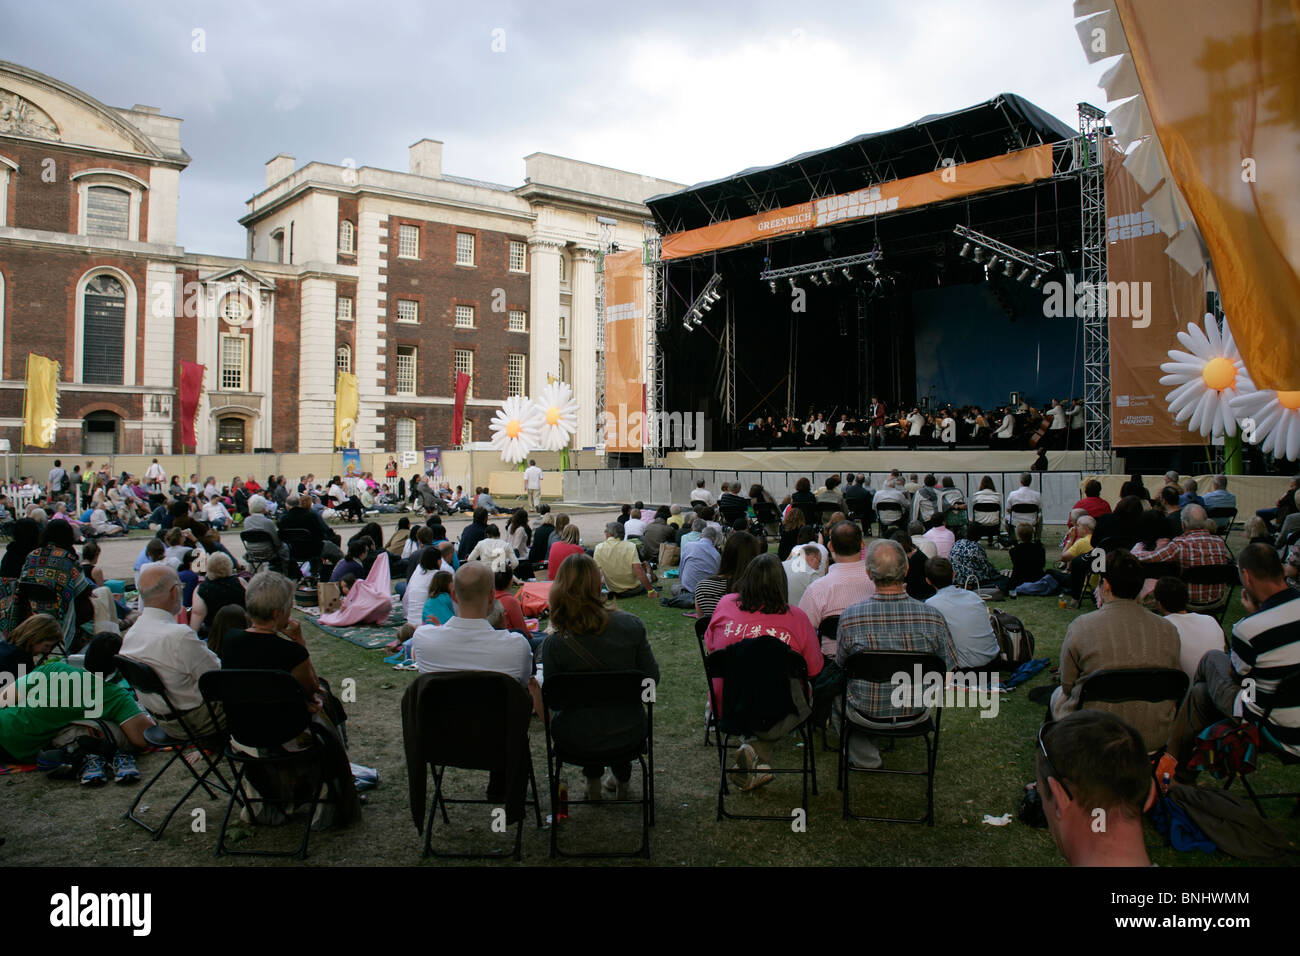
1195, 549
890, 622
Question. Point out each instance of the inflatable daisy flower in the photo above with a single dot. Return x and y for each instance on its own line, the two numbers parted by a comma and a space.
1271, 418
559, 415
515, 429
1208, 376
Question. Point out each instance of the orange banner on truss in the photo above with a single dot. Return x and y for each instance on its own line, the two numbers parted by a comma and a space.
950, 182
624, 351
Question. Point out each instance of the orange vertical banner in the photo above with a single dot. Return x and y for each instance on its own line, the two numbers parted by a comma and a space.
624, 351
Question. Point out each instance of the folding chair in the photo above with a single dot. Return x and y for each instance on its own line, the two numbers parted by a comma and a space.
1153, 685
1215, 514
825, 509
880, 667
145, 680
769, 515
826, 630
860, 511
596, 691
262, 710
472, 720
301, 549
715, 667
1287, 694
259, 549
729, 515
1025, 508
711, 719
981, 508
891, 515
1225, 574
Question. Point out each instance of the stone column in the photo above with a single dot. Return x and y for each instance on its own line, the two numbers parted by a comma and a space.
582, 339
544, 305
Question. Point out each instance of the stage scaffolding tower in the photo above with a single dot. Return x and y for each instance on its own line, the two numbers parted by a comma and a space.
656, 321
606, 244
1096, 332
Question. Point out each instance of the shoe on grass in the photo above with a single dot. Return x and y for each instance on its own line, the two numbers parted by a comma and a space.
761, 777
609, 783
124, 768
57, 763
746, 760
92, 771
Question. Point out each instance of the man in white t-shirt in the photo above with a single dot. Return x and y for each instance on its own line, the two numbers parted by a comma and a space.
1056, 430
915, 422
701, 493
1024, 495
1197, 633
155, 475
533, 484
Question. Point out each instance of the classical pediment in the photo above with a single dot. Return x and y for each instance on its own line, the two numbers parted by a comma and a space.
19, 116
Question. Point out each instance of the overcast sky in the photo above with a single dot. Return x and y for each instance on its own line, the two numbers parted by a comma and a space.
685, 90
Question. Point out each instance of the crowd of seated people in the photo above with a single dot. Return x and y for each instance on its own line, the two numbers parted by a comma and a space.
1057, 426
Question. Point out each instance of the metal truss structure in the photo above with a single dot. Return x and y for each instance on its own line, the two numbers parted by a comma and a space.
1096, 326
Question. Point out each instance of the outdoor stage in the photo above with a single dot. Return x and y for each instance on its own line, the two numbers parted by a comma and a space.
922, 461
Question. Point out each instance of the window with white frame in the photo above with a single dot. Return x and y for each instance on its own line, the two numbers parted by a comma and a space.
563, 376
343, 308
277, 246
5, 166
564, 327
464, 362
518, 256
405, 384
515, 365
518, 321
346, 237
464, 249
408, 242
103, 347
466, 432
464, 316
405, 434
343, 358
234, 363
408, 310
235, 309
564, 269
108, 212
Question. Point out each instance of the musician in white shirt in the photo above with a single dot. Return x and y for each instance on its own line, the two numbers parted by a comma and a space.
1006, 429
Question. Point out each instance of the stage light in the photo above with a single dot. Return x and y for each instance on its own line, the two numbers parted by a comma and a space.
699, 318
846, 273
826, 277
1024, 274
793, 287
965, 251
991, 264
815, 278
714, 295
1009, 268
1037, 281
687, 326
979, 254
871, 267
771, 284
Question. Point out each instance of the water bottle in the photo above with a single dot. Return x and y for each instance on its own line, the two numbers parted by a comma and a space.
562, 812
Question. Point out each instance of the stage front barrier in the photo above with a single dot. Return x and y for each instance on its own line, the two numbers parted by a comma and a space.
1060, 489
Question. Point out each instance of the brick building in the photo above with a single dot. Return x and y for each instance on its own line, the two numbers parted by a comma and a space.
400, 277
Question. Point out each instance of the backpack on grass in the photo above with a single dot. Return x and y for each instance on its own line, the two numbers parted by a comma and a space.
1015, 641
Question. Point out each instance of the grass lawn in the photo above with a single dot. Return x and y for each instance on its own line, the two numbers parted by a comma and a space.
982, 768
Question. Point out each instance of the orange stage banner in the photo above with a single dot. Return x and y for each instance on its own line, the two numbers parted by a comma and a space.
624, 348
951, 182
1150, 299
1222, 83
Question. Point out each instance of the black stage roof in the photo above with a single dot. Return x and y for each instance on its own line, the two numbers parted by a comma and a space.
997, 126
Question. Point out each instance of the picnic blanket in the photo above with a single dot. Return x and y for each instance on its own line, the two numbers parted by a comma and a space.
7, 768
368, 602
369, 636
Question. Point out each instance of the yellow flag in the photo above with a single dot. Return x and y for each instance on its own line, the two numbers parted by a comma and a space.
41, 421
346, 407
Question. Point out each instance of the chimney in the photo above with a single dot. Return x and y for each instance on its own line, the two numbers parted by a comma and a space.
278, 167
426, 158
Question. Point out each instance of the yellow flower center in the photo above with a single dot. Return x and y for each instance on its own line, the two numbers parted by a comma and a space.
1289, 400
1219, 373
552, 416
513, 428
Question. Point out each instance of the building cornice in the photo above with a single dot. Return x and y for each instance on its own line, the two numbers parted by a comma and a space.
88, 245
378, 192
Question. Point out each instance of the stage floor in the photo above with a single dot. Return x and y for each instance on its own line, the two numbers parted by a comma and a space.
920, 461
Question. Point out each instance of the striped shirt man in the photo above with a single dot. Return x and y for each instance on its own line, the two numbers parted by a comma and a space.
1266, 649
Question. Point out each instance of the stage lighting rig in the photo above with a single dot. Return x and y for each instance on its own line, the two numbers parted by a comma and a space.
824, 268
703, 302
1008, 256
826, 276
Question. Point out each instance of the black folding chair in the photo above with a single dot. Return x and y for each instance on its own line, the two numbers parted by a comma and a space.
259, 549
1026, 508
824, 511
769, 515
472, 720
599, 691
145, 680
989, 529
881, 667
715, 667
1218, 514
711, 719
826, 630
301, 549
860, 511
1210, 574
891, 515
262, 710
1287, 694
1154, 685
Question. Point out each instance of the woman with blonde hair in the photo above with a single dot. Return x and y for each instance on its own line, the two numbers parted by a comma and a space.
587, 636
29, 642
218, 589
565, 542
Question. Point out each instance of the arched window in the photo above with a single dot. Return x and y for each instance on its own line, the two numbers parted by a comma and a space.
277, 246
230, 436
104, 334
109, 203
345, 236
343, 358
563, 374
99, 431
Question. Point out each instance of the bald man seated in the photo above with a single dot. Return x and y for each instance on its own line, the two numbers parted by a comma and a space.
173, 650
469, 642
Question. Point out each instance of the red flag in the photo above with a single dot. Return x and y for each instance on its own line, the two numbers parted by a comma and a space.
458, 416
191, 388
